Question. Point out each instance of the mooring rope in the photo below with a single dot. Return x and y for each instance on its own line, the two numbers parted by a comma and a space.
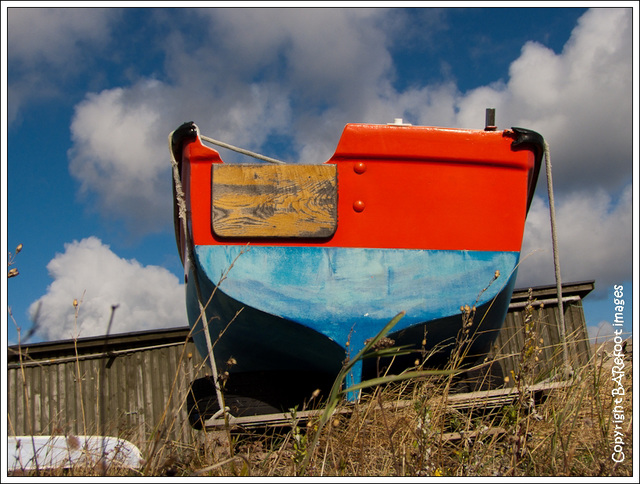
189, 253
190, 261
240, 150
556, 258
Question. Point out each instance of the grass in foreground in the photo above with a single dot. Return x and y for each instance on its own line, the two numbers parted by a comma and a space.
409, 428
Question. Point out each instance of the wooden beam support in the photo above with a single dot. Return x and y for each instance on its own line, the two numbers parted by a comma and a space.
487, 398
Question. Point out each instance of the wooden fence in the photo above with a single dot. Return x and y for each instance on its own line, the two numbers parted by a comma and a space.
120, 387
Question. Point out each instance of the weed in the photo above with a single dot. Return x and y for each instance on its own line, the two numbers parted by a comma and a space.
405, 425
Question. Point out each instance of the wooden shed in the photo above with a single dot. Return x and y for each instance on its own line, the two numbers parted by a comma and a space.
539, 329
135, 385
131, 385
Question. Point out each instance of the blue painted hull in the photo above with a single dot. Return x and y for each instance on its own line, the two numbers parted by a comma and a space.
300, 306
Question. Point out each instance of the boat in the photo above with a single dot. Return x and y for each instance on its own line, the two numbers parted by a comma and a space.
296, 266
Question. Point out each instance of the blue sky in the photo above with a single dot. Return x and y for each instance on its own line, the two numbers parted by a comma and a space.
92, 94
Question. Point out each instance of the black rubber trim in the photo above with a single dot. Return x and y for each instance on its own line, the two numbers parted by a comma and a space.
526, 139
186, 132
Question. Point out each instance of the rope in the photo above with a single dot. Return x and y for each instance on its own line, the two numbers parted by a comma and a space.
189, 255
189, 260
240, 150
556, 258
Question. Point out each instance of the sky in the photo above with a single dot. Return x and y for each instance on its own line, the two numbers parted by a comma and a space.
90, 96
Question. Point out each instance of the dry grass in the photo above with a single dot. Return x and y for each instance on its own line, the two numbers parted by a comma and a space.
408, 428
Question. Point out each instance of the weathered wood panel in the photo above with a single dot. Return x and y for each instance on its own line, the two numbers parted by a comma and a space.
274, 200
123, 391
547, 336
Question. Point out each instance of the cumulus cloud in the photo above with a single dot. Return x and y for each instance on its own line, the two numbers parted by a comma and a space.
46, 46
343, 65
52, 35
601, 333
118, 156
89, 272
594, 240
579, 100
120, 150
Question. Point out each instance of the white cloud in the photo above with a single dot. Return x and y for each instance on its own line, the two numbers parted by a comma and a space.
261, 63
594, 239
327, 56
579, 100
55, 35
601, 333
120, 152
46, 46
119, 156
147, 296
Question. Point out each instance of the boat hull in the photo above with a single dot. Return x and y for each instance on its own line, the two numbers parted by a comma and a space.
418, 220
286, 311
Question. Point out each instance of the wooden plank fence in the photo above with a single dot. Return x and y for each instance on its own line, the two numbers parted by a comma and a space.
120, 387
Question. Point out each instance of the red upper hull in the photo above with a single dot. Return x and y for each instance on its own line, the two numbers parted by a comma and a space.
403, 187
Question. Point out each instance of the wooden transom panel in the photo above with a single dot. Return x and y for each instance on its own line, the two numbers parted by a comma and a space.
274, 200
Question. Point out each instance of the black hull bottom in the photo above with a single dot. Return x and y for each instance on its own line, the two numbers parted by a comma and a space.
257, 393
443, 339
279, 363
